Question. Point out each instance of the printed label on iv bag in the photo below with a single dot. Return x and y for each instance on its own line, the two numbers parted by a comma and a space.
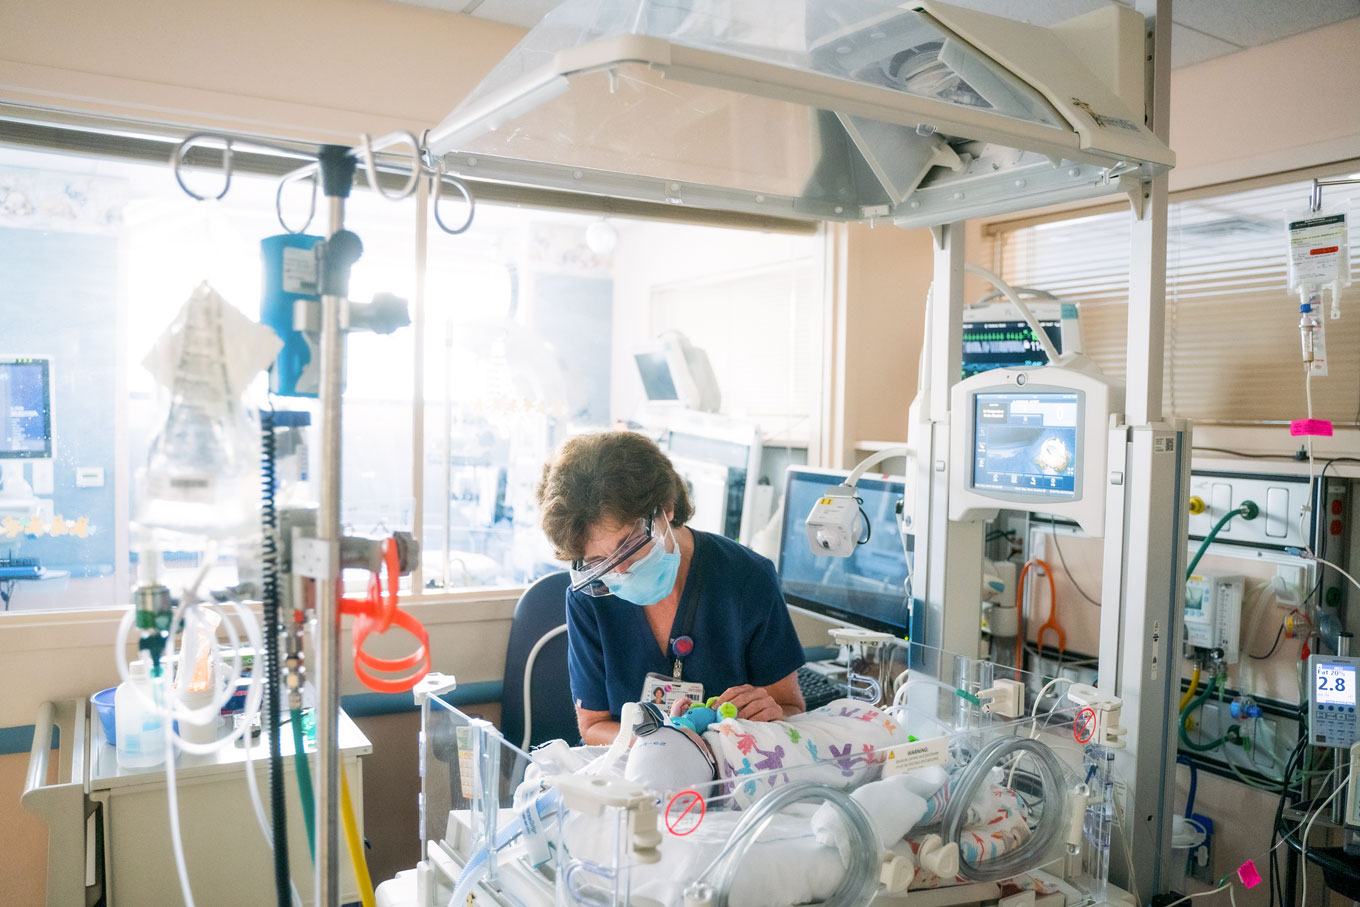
1318, 251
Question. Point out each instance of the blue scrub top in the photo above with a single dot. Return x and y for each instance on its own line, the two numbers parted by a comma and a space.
742, 631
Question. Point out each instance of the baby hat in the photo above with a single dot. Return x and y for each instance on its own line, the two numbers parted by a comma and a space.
665, 757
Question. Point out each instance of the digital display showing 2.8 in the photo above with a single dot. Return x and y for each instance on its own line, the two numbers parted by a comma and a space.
1335, 684
1026, 443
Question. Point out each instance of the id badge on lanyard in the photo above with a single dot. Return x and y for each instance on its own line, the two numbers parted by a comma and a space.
667, 691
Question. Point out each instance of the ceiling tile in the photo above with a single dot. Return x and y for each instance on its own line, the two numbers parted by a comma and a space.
524, 13
1249, 23
1189, 47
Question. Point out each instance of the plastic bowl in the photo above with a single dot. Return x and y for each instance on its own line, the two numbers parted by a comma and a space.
103, 705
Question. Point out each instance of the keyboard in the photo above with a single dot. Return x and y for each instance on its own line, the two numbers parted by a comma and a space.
19, 567
818, 689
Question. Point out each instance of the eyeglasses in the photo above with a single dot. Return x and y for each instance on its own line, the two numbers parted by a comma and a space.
587, 576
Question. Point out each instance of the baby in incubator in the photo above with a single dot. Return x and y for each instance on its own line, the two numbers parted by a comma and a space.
843, 744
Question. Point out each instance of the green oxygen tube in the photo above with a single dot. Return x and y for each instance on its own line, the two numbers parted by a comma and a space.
1190, 710
304, 774
1248, 511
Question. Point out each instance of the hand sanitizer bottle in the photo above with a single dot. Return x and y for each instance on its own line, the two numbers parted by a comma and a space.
141, 732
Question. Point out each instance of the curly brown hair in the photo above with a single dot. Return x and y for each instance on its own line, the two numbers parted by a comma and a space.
617, 476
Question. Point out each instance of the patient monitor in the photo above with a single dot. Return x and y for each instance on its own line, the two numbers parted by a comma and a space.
1033, 439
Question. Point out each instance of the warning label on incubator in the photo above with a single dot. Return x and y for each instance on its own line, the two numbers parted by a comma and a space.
911, 756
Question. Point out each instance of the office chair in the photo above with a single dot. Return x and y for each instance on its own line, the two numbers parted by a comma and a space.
536, 704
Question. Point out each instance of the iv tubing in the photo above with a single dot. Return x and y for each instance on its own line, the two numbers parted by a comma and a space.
1039, 333
304, 773
172, 795
356, 847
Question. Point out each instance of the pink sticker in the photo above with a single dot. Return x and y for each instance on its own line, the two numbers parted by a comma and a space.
1319, 427
1248, 874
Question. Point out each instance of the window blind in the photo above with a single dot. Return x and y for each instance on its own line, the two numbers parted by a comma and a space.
1232, 342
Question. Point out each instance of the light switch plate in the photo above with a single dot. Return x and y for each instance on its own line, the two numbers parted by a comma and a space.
89, 477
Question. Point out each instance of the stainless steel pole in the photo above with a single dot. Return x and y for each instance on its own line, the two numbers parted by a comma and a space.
327, 604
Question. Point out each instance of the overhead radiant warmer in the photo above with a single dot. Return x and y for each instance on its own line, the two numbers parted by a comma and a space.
851, 110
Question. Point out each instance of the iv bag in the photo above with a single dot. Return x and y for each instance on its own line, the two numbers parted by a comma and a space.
199, 474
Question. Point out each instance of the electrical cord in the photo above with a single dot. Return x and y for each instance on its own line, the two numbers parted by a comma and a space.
1062, 560
1250, 456
269, 599
1279, 634
1307, 829
1200, 894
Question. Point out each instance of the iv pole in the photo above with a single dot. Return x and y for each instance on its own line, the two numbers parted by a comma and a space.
319, 558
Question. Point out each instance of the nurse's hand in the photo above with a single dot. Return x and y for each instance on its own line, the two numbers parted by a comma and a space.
753, 703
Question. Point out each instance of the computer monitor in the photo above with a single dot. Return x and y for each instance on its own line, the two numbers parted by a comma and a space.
1033, 440
719, 461
673, 370
995, 336
25, 408
866, 589
655, 373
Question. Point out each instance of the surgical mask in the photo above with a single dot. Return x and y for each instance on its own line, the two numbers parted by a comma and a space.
650, 578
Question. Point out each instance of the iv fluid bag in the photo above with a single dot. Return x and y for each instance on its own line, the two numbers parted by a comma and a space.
200, 466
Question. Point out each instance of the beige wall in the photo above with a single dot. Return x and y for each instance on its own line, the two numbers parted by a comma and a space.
1278, 107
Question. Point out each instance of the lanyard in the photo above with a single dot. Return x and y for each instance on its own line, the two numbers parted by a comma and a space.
683, 644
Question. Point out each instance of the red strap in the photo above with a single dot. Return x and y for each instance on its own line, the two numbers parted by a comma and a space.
377, 613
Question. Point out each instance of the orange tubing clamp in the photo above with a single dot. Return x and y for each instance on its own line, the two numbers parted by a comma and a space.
1050, 624
378, 612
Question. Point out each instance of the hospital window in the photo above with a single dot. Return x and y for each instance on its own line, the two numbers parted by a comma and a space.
531, 321
1232, 344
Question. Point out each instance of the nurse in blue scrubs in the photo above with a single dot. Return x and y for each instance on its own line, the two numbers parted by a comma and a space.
658, 611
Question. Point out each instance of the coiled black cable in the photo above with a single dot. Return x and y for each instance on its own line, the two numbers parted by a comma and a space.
269, 598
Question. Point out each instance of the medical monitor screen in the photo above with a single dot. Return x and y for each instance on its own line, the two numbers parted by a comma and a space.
26, 407
1335, 684
866, 589
656, 376
1009, 344
1025, 443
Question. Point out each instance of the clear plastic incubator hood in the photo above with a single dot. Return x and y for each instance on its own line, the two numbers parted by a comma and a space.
921, 112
